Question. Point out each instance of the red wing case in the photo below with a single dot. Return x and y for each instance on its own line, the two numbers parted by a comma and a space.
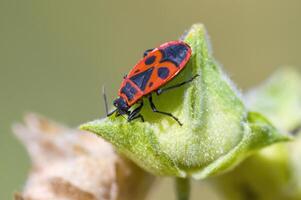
154, 70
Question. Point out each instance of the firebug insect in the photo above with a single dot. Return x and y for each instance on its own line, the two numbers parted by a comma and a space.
158, 67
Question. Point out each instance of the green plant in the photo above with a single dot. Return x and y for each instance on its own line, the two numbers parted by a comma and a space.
219, 130
273, 172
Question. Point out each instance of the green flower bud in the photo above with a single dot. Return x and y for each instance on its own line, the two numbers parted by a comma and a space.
273, 172
279, 99
218, 132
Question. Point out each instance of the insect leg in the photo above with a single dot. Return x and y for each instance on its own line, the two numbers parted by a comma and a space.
150, 98
136, 117
136, 113
146, 52
111, 113
162, 90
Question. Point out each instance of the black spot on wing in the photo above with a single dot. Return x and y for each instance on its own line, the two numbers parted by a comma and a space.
175, 53
163, 72
150, 60
142, 78
129, 91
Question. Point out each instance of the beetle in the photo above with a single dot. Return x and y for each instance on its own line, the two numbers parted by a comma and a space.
154, 70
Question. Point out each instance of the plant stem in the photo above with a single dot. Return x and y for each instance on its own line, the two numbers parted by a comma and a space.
182, 188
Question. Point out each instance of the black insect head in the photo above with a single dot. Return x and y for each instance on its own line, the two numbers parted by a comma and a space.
121, 105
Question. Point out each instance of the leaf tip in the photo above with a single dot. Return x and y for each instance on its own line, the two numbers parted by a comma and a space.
90, 126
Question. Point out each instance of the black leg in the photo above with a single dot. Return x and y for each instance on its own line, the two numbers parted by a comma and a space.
163, 113
146, 52
118, 113
136, 117
136, 113
111, 113
162, 90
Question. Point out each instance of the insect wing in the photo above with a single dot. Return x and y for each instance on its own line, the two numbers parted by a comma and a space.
160, 66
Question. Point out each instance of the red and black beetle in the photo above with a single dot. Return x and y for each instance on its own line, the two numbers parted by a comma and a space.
158, 67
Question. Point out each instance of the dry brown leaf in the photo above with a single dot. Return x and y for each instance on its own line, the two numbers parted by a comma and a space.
72, 164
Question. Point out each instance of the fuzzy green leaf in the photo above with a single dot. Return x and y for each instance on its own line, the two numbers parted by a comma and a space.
217, 133
279, 98
273, 172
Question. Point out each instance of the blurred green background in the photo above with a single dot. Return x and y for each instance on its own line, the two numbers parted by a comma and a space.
55, 55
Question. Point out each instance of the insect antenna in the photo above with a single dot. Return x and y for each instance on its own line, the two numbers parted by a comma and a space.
105, 99
106, 102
